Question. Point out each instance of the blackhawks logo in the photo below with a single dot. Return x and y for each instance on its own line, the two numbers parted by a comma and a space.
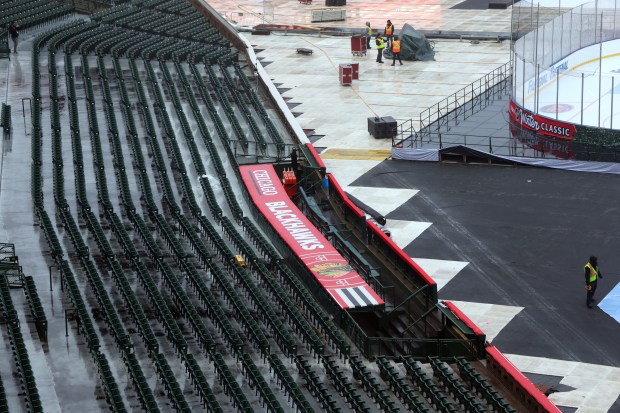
332, 269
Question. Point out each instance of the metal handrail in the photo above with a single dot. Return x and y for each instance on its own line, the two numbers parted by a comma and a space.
406, 131
469, 92
512, 146
492, 144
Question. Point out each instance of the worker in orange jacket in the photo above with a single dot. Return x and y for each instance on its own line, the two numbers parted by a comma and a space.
396, 51
389, 32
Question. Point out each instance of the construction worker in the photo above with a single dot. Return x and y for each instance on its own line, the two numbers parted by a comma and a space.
14, 32
380, 46
368, 32
389, 32
592, 274
396, 51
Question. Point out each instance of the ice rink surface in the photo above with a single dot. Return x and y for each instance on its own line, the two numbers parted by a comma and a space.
577, 93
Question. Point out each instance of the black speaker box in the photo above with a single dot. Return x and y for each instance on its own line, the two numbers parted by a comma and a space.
382, 128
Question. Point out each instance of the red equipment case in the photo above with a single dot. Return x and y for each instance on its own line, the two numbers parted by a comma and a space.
346, 74
356, 70
358, 45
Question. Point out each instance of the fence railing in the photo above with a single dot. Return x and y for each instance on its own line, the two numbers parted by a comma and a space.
420, 348
522, 143
490, 144
260, 152
458, 99
455, 106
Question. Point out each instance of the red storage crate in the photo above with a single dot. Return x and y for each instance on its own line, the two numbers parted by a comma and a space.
356, 70
346, 74
358, 45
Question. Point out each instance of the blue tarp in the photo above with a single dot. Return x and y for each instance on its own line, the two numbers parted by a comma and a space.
611, 303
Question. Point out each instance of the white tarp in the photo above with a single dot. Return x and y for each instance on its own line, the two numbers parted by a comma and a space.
411, 154
432, 155
581, 166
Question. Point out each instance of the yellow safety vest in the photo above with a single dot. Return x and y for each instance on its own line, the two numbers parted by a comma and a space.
396, 46
368, 31
593, 272
380, 43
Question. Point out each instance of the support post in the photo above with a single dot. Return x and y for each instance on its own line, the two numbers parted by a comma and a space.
557, 91
536, 92
50, 271
611, 111
24, 112
600, 71
582, 91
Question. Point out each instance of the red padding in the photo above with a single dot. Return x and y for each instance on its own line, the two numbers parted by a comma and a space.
401, 254
316, 156
350, 205
461, 315
521, 380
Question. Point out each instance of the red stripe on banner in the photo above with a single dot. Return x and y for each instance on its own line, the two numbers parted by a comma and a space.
330, 268
341, 303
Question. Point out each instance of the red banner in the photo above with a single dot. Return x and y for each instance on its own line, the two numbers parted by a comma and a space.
330, 268
540, 124
560, 148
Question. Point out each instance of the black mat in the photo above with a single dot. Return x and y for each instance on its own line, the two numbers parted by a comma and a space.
616, 407
522, 231
472, 5
483, 4
547, 383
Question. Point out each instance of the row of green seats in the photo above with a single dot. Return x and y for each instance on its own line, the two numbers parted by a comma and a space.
400, 386
371, 385
286, 381
343, 385
315, 385
257, 381
426, 386
482, 387
36, 308
201, 385
455, 386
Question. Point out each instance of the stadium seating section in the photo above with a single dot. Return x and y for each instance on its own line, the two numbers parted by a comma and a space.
139, 115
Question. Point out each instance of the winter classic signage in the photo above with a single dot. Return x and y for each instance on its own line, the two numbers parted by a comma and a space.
540, 124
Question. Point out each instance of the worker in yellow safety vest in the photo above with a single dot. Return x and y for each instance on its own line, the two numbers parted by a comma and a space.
380, 46
396, 51
389, 32
592, 274
368, 32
